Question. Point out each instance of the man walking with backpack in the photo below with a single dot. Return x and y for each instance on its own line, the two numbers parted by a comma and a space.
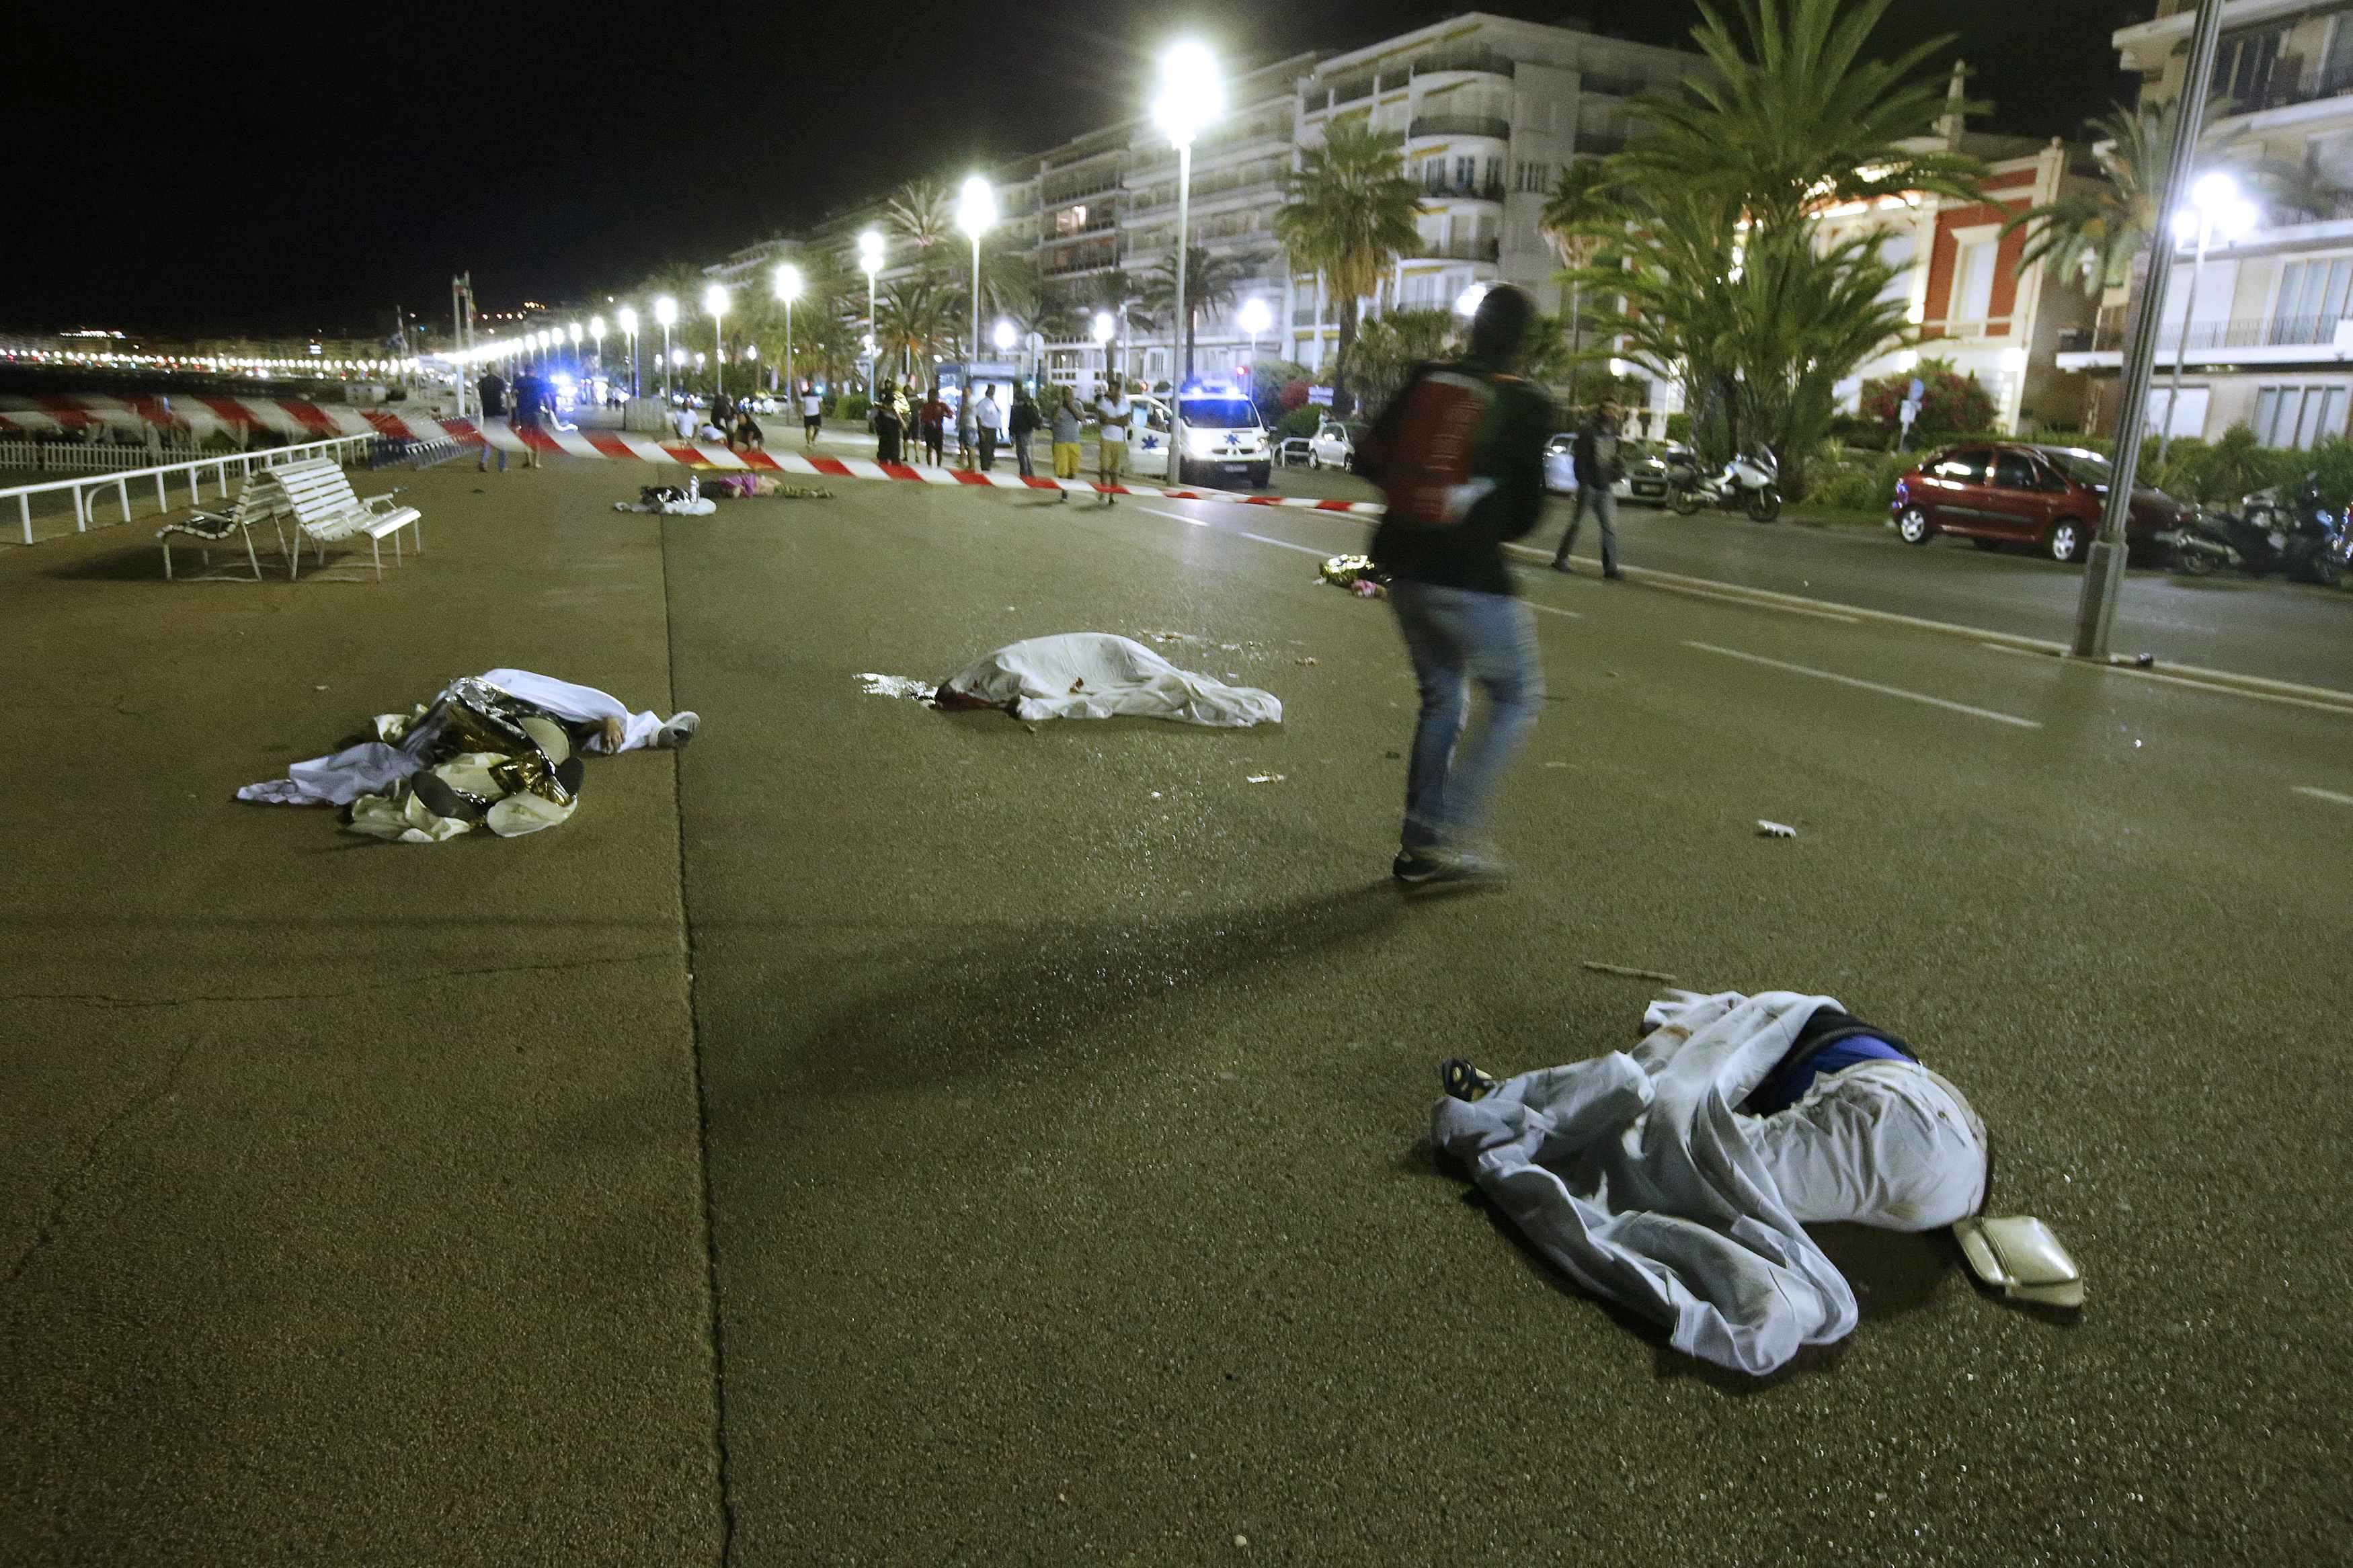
1459, 453
1599, 466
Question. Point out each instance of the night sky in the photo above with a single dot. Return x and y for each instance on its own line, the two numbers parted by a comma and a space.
222, 169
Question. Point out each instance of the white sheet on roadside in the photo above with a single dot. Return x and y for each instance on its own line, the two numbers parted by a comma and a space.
1097, 675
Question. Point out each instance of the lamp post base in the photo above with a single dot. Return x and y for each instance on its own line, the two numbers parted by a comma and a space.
2095, 615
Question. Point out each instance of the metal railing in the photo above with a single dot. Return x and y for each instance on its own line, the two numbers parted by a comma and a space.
2247, 332
2287, 88
1497, 126
1463, 190
343, 448
1461, 250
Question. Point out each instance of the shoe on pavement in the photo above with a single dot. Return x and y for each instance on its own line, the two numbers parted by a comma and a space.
1433, 868
1613, 574
678, 731
1560, 563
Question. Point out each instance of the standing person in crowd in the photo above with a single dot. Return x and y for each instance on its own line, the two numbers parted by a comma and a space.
1599, 466
1021, 423
887, 429
931, 422
530, 394
1113, 410
988, 424
492, 390
1066, 439
812, 414
1459, 455
964, 423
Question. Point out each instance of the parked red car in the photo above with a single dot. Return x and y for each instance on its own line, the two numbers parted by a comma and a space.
1997, 493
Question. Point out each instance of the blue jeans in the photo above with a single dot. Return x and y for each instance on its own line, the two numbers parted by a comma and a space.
1605, 510
1456, 636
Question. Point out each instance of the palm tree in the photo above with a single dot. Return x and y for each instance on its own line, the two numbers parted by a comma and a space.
1211, 282
921, 213
1571, 223
1349, 215
920, 317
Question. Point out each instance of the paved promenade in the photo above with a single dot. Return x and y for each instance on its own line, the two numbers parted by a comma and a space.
881, 1136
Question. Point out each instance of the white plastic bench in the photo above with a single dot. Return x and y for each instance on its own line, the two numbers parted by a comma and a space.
324, 509
260, 501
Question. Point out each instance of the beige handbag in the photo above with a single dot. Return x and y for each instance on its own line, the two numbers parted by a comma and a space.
2019, 1256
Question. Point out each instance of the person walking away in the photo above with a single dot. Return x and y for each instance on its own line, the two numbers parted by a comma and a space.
887, 429
988, 424
529, 393
931, 421
492, 391
1599, 466
1113, 410
812, 414
1021, 423
1459, 453
1066, 439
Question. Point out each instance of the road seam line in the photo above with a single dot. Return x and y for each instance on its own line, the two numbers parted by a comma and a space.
2317, 793
2218, 687
1868, 686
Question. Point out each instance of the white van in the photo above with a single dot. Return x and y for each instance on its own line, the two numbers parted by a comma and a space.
1223, 441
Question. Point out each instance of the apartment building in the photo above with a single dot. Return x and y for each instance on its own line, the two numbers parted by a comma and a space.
1959, 277
2268, 340
1486, 111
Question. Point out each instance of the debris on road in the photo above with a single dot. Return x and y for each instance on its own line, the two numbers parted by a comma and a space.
1307, 660
1264, 778
502, 749
1774, 829
1598, 967
1358, 574
670, 500
1097, 675
905, 685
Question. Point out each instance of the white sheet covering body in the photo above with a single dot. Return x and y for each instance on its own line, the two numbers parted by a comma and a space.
373, 767
1634, 1174
1095, 675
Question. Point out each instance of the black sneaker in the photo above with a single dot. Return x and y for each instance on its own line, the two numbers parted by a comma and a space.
1434, 868
1412, 867
1613, 574
1463, 1081
1560, 563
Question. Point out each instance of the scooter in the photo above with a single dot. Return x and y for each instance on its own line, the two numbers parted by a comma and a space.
1751, 482
2300, 537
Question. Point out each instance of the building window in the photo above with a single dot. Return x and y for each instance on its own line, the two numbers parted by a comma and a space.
2298, 418
1070, 220
2312, 300
1971, 300
2246, 64
1466, 170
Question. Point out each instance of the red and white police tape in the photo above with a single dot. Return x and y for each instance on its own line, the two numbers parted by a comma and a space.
301, 421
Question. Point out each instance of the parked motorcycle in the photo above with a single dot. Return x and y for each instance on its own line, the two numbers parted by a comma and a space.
2297, 536
1751, 482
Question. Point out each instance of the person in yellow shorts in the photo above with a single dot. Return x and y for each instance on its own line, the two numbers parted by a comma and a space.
1066, 439
1113, 409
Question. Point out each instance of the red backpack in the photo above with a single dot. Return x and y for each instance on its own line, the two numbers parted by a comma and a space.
1427, 460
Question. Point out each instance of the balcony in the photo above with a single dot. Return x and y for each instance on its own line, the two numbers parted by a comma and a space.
2288, 84
1102, 183
1304, 317
2257, 333
1462, 57
1444, 189
1491, 125
1461, 250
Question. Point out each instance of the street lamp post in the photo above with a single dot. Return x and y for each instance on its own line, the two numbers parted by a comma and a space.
1004, 337
869, 261
2215, 207
715, 300
788, 288
596, 338
1255, 319
573, 331
1103, 329
666, 312
1192, 94
976, 215
627, 316
2095, 612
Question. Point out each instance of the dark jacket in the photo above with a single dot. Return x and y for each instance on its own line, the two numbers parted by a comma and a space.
1024, 417
1593, 468
1470, 554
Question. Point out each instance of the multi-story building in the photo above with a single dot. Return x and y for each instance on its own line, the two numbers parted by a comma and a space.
1486, 112
2268, 340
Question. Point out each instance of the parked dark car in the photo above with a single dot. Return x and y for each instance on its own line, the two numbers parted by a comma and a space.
2004, 493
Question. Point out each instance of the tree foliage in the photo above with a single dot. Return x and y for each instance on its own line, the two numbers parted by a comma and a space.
1349, 213
1701, 255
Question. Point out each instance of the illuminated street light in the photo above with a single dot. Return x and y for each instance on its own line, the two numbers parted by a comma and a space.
869, 261
1192, 95
2215, 207
788, 288
666, 312
1466, 304
596, 336
1255, 319
976, 215
715, 302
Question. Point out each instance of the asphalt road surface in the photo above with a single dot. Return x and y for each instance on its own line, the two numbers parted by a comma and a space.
886, 1136
2260, 626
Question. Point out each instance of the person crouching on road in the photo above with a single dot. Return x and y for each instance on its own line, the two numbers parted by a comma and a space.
1599, 466
1066, 438
748, 436
1459, 453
